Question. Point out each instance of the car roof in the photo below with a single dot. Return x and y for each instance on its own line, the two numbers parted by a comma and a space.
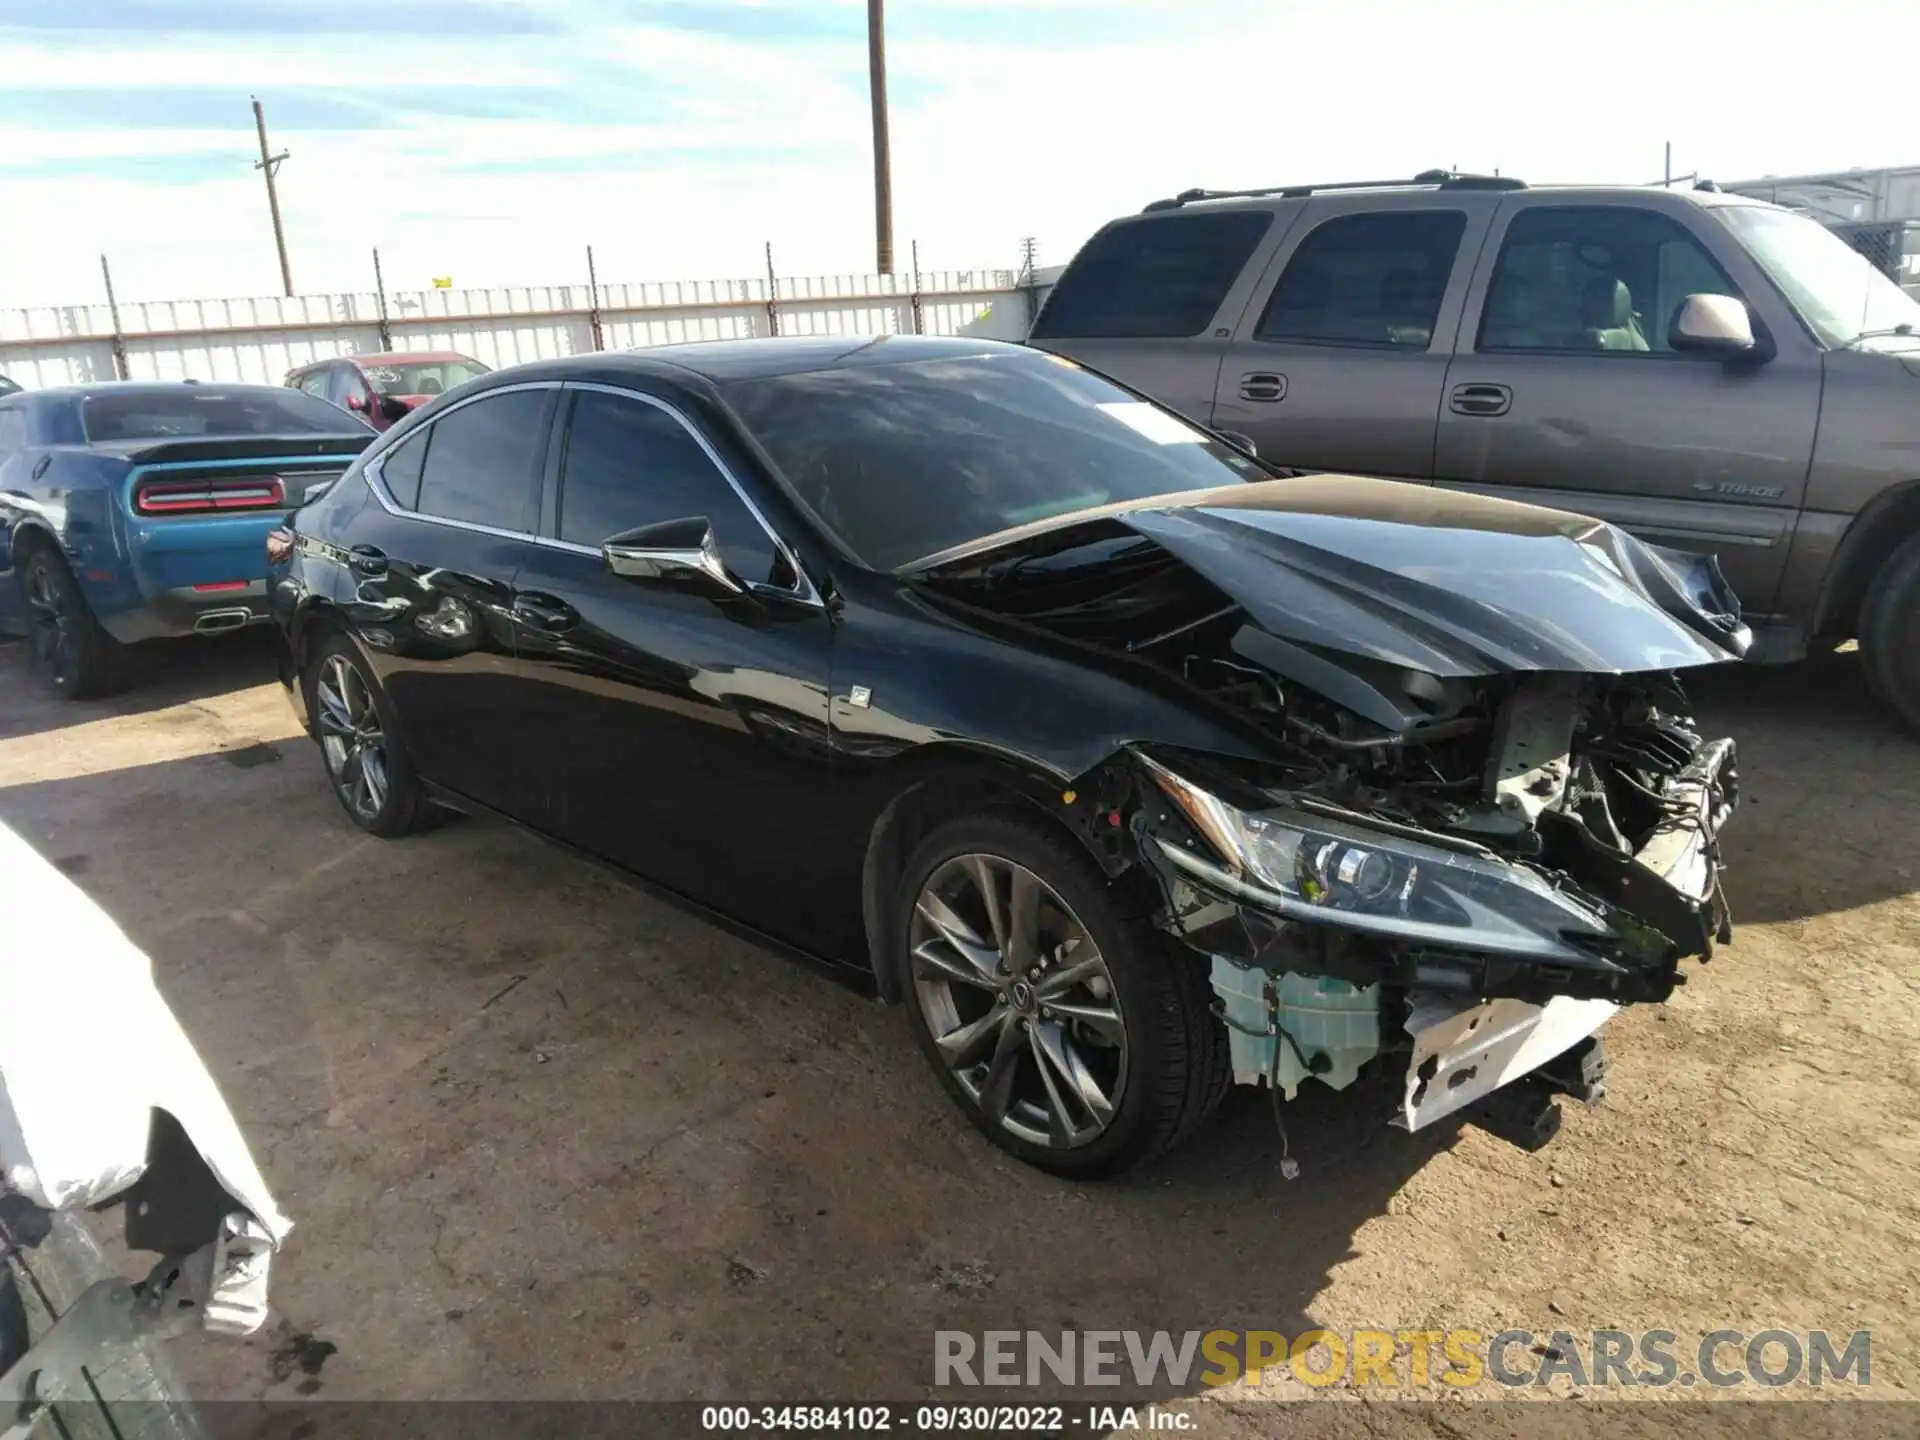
1208, 201
396, 357
728, 360
722, 362
152, 387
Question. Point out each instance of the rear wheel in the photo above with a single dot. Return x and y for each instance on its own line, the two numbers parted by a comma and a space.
1071, 1032
366, 763
1890, 634
71, 653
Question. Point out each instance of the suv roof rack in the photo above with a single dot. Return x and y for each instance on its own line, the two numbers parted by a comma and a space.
1440, 179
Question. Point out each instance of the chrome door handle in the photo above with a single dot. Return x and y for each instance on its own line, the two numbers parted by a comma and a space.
1480, 399
1263, 387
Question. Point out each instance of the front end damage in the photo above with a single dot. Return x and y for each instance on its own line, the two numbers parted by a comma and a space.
1469, 901
1469, 908
1474, 816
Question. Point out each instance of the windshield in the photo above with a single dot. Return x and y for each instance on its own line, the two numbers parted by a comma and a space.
201, 410
424, 377
904, 461
1837, 292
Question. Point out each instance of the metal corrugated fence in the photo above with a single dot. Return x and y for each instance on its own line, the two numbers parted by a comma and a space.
262, 339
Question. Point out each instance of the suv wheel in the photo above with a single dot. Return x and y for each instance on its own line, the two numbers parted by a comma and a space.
75, 657
1069, 1031
1890, 634
366, 763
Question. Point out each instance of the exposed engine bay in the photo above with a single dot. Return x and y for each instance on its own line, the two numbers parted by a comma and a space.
1472, 860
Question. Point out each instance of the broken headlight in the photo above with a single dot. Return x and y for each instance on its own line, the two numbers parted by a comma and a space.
1340, 871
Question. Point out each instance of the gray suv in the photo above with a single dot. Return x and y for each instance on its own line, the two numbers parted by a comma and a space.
1707, 371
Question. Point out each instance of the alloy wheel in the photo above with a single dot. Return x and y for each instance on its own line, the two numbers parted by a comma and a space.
351, 737
51, 623
1019, 1002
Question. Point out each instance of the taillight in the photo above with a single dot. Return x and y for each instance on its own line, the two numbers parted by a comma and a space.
209, 497
279, 545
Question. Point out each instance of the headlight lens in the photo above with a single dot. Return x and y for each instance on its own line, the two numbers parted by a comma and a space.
1312, 867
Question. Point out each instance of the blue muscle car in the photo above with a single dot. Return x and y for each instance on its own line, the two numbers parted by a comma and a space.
132, 511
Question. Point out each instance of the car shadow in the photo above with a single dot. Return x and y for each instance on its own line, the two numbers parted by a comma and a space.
1829, 788
163, 673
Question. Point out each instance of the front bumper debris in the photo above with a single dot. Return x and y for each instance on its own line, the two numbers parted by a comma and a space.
221, 1287
1463, 1053
115, 1109
1486, 1036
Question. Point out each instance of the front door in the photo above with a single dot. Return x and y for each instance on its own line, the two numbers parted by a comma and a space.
1566, 393
679, 734
1339, 362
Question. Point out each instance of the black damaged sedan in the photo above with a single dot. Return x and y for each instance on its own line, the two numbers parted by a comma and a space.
1131, 765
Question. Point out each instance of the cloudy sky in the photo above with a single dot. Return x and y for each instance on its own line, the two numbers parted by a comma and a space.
491, 140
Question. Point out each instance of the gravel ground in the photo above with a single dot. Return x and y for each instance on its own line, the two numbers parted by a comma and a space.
545, 1136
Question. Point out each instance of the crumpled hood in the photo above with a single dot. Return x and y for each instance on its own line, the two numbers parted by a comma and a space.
1436, 580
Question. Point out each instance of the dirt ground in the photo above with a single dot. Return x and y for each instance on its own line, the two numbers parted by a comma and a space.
544, 1136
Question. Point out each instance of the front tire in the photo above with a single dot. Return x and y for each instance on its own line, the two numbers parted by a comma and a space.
1890, 634
1072, 1033
367, 765
72, 654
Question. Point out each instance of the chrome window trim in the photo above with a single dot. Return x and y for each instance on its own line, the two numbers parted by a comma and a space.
372, 473
803, 588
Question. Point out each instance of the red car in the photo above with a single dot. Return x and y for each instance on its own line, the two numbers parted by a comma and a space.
380, 389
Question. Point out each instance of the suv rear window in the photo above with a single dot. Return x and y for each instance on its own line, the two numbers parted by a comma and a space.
203, 410
1152, 279
1374, 280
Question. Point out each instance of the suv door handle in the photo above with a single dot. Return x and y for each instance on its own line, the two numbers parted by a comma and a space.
543, 612
367, 560
1263, 386
1481, 399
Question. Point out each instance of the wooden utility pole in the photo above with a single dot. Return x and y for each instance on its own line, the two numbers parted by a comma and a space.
882, 154
267, 164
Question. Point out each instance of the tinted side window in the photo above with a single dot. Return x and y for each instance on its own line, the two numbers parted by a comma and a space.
1372, 280
483, 460
630, 464
1594, 280
314, 382
401, 469
1159, 277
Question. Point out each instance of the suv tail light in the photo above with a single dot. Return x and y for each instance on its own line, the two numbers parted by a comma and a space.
279, 545
207, 497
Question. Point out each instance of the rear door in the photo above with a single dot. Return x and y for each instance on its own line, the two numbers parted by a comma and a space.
1150, 299
433, 574
1340, 362
1566, 393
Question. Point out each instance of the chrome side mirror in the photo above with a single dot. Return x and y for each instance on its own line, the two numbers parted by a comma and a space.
1713, 325
671, 551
